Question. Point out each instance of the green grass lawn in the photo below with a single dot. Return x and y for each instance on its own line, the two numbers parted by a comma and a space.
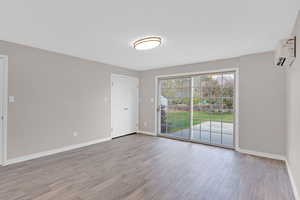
180, 120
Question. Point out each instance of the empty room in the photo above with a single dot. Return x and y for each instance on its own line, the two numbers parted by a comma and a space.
150, 100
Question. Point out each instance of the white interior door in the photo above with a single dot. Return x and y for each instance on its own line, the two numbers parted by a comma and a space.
124, 105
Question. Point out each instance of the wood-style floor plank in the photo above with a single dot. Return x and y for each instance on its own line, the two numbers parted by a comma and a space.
139, 167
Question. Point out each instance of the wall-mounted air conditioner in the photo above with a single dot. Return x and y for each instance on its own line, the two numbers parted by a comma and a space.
285, 53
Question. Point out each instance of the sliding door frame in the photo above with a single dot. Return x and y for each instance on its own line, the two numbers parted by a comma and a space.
4, 117
179, 75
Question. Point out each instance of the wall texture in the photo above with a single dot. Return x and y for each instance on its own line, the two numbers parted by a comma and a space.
293, 112
262, 99
55, 96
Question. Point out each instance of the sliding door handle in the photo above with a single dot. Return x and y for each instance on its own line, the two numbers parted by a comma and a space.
125, 108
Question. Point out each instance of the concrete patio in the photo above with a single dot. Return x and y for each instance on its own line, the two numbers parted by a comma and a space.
208, 132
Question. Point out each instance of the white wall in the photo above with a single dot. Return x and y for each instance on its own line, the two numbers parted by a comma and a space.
262, 92
293, 113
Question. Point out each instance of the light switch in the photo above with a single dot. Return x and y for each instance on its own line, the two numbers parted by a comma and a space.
11, 99
152, 100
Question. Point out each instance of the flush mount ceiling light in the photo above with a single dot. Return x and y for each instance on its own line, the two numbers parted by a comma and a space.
147, 43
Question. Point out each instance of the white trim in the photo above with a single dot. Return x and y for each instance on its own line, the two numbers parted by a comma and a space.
294, 187
5, 110
147, 133
276, 157
191, 107
195, 73
156, 99
237, 108
262, 154
237, 78
54, 151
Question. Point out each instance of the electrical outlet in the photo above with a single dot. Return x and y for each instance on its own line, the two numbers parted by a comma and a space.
145, 124
75, 134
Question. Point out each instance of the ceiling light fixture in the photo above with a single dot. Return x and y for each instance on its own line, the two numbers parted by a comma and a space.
147, 43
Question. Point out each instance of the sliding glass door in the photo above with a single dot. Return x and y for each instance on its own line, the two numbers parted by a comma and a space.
175, 100
198, 108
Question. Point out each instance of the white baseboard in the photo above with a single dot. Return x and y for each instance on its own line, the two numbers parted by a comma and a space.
276, 157
295, 190
261, 154
53, 151
147, 133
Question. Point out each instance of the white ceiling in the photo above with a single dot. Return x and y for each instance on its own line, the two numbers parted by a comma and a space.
193, 31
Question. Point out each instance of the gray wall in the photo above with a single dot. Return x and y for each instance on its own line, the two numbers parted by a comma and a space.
262, 99
55, 95
293, 112
58, 94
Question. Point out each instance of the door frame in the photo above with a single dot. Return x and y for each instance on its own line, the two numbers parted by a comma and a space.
3, 132
111, 85
236, 118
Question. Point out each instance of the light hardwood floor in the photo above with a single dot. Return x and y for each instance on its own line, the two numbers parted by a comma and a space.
143, 167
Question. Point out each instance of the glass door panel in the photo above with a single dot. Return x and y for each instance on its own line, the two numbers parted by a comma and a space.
174, 108
213, 113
